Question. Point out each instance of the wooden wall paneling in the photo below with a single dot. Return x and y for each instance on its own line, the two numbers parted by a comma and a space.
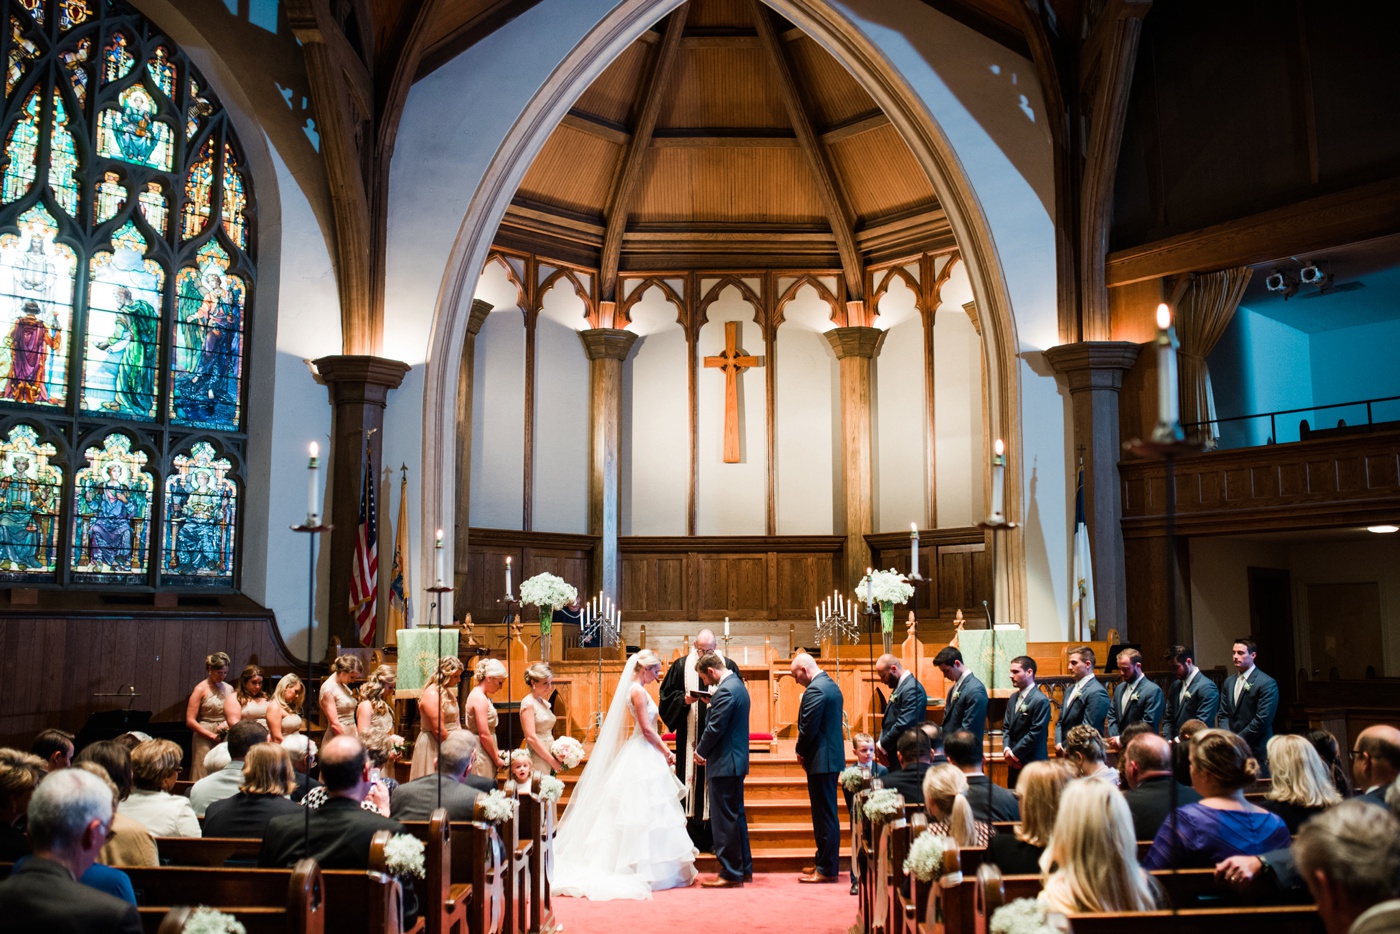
639, 586
1144, 562
964, 580
748, 585
694, 318
713, 587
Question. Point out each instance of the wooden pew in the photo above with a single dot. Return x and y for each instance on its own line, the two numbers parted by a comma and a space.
1291, 919
444, 906
867, 855
304, 911
951, 910
537, 822
908, 904
469, 884
208, 851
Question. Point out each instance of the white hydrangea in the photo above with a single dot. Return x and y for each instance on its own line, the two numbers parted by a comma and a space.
404, 856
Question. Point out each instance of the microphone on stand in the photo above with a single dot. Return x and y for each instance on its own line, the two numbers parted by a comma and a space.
986, 609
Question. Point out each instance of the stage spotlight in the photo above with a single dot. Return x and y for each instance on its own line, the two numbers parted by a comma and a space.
1275, 282
1311, 274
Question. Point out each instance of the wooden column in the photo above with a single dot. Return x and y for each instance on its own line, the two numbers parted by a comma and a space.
1093, 371
462, 507
359, 388
607, 348
856, 348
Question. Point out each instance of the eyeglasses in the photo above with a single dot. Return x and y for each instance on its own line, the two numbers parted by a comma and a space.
107, 832
1355, 753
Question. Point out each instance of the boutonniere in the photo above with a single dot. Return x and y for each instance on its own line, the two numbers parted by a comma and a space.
1185, 695
1133, 697
1021, 707
1246, 687
956, 692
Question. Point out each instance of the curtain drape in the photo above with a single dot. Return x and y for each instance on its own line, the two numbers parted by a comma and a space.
1201, 318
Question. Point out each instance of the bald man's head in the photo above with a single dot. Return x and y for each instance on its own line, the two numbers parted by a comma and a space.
804, 668
1377, 757
705, 641
344, 767
1146, 754
888, 669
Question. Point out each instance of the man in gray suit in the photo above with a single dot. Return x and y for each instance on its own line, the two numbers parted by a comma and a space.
822, 752
908, 707
1249, 701
417, 799
966, 703
1137, 699
1192, 696
1087, 701
723, 749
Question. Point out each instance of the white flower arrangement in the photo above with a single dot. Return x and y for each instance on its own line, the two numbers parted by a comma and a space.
404, 856
884, 587
496, 807
551, 788
547, 592
852, 777
209, 921
884, 805
1023, 916
926, 856
567, 750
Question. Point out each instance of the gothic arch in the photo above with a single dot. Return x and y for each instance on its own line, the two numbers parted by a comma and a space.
712, 295
624, 307
553, 279
899, 272
522, 300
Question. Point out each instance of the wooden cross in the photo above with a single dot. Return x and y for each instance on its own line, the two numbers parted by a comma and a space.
733, 362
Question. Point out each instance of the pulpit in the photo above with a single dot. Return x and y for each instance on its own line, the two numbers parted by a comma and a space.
988, 652
419, 650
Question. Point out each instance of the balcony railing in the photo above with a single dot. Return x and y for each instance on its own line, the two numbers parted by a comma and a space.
1313, 422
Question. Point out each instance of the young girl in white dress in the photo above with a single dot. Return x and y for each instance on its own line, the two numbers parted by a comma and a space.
623, 834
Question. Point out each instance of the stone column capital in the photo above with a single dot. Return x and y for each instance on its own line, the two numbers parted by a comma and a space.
856, 342
359, 378
477, 317
1089, 365
607, 343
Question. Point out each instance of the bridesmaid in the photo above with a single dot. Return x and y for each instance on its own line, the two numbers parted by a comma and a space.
284, 712
337, 700
251, 698
482, 718
439, 714
375, 713
212, 704
537, 719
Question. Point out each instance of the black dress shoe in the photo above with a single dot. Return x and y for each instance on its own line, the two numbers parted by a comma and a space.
748, 877
855, 888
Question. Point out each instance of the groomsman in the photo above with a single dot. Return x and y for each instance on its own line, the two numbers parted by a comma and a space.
1249, 701
1087, 701
1026, 726
1192, 695
1136, 699
908, 706
724, 750
965, 707
822, 752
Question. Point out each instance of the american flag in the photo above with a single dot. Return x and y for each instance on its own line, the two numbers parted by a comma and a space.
364, 578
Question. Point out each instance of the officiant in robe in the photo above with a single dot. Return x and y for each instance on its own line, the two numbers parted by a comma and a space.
686, 717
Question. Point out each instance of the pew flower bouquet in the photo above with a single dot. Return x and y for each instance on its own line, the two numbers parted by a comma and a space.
208, 921
926, 856
852, 778
884, 805
551, 788
1023, 916
496, 807
404, 856
567, 750
547, 592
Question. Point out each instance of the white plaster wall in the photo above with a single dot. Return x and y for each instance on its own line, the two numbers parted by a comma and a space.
656, 422
1220, 593
498, 422
900, 415
731, 499
805, 436
560, 500
960, 449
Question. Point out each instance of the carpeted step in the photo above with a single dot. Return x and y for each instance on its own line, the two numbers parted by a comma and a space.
777, 836
779, 859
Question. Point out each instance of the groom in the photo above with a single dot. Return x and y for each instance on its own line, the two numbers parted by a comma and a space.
723, 749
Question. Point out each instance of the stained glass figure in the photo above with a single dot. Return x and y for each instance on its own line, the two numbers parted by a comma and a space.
198, 186
36, 308
30, 486
235, 201
72, 13
35, 9
154, 207
22, 148
199, 109
22, 52
111, 197
117, 60
133, 133
75, 61
112, 512
162, 71
200, 514
121, 350
63, 160
208, 368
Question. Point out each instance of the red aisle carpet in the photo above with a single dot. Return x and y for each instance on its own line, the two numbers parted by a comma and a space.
774, 903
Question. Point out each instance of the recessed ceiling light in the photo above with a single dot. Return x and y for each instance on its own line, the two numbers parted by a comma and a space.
1383, 529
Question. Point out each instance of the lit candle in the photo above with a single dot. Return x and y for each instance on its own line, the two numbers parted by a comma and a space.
508, 589
726, 627
819, 615
913, 549
1168, 400
313, 505
998, 482
617, 620
437, 549
869, 587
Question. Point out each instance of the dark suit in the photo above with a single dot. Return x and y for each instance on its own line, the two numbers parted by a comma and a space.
41, 895
991, 802
908, 707
724, 745
823, 752
1203, 704
1253, 717
305, 785
1090, 706
1026, 733
966, 708
417, 799
1147, 704
1151, 801
908, 780
1376, 797
245, 815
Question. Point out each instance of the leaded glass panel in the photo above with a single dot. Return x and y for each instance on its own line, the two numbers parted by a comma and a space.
63, 160
133, 133
75, 61
200, 518
112, 513
111, 197
36, 312
198, 184
22, 150
162, 71
121, 358
206, 376
235, 201
154, 209
30, 488
22, 52
116, 58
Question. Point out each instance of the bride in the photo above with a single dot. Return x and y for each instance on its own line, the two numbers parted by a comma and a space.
623, 833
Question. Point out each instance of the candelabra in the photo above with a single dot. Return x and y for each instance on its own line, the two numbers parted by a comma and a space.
833, 627
604, 630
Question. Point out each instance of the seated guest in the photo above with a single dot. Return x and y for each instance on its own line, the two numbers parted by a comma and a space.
1094, 856
1085, 751
267, 781
990, 802
103, 878
155, 765
945, 796
934, 732
1125, 737
19, 776
1039, 787
68, 819
216, 759
242, 736
1222, 823
383, 751
417, 799
1350, 858
302, 750
1152, 793
1181, 750
908, 779
129, 843
55, 747
1375, 761
1331, 753
1301, 786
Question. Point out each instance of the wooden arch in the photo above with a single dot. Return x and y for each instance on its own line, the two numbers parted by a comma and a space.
624, 307
713, 293
564, 272
522, 295
898, 272
791, 291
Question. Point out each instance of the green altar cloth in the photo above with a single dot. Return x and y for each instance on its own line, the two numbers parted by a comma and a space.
977, 651
418, 654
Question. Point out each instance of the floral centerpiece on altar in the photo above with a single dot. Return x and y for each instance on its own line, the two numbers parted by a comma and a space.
887, 588
549, 593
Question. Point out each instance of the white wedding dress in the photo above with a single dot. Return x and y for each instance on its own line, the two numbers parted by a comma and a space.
623, 833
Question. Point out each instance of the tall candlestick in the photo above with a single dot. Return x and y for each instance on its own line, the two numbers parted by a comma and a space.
726, 627
998, 482
437, 549
913, 549
819, 616
1168, 427
869, 587
508, 588
313, 502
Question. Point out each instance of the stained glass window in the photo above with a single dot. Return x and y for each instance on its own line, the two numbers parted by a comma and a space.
127, 238
200, 512
30, 489
112, 512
